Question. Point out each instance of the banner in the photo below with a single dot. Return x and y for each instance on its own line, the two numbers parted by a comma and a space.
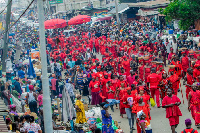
105, 12
35, 55
55, 1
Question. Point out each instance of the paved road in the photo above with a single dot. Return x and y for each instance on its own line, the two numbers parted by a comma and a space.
159, 122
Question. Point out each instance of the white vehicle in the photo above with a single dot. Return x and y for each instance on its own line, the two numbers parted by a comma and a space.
15, 15
24, 20
68, 33
36, 25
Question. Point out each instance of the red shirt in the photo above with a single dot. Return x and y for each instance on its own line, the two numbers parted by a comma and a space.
196, 73
154, 80
174, 80
95, 86
130, 79
129, 99
134, 93
189, 130
195, 99
174, 110
100, 75
111, 95
119, 83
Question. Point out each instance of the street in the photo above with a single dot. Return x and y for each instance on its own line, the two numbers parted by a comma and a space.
159, 122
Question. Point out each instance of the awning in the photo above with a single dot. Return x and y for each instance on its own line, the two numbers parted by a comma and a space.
124, 10
146, 13
59, 12
101, 17
121, 8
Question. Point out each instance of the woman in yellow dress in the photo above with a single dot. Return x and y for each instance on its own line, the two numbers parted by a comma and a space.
80, 112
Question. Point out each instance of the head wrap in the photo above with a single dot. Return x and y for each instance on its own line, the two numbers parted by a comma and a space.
188, 122
31, 87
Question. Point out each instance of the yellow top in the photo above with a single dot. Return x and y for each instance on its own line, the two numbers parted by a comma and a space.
80, 115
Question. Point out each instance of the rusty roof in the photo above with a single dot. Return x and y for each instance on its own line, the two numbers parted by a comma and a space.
150, 4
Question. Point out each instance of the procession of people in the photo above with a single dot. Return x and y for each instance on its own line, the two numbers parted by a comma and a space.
103, 62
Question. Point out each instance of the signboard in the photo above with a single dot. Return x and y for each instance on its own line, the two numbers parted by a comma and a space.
105, 12
55, 1
35, 54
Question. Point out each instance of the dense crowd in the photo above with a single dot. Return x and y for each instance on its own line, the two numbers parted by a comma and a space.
104, 62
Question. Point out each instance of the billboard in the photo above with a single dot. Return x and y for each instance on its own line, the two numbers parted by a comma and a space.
104, 12
55, 1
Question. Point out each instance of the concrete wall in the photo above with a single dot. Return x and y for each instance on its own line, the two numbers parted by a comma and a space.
76, 4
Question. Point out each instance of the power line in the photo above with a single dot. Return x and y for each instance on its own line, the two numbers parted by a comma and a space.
19, 17
5, 8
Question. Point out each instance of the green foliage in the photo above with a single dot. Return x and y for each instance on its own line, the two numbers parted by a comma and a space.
187, 11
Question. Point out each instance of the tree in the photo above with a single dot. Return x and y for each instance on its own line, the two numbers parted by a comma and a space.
186, 11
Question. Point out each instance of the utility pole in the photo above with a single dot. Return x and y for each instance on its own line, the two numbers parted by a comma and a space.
5, 46
117, 14
45, 81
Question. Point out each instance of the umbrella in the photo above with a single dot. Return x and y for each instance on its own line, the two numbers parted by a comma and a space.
31, 71
11, 34
80, 19
55, 23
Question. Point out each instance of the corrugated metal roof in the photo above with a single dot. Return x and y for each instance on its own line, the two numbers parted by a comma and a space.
147, 13
121, 8
149, 4
110, 4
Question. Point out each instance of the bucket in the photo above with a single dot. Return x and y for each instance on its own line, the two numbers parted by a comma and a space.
171, 31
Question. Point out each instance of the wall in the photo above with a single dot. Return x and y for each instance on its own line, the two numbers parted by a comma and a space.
77, 4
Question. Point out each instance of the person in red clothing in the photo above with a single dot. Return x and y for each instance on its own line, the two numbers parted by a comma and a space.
94, 88
171, 103
99, 73
141, 70
123, 73
54, 83
121, 92
190, 80
128, 101
110, 90
145, 97
185, 63
138, 106
152, 82
134, 91
188, 129
194, 104
103, 85
97, 44
173, 81
136, 80
121, 80
196, 72
126, 65
131, 78
163, 85
147, 71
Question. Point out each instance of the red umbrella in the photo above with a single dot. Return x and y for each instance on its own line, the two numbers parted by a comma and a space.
55, 23
80, 19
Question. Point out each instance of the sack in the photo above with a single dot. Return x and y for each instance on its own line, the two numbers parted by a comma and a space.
85, 107
152, 102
